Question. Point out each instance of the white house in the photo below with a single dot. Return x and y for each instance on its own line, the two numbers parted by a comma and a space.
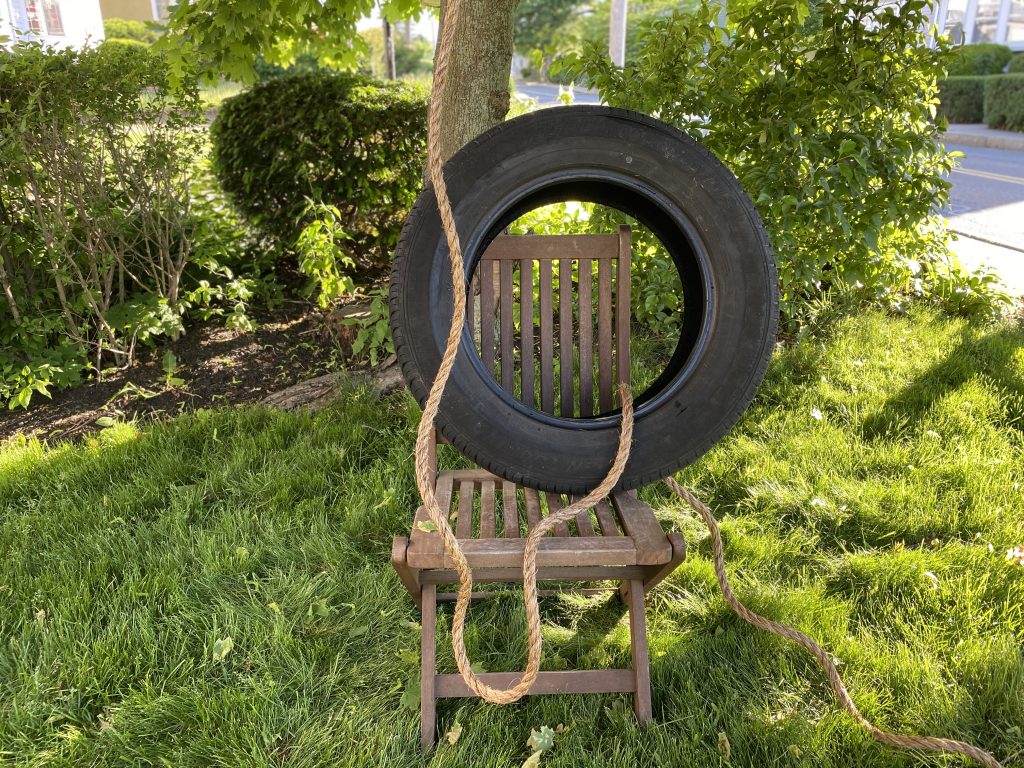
982, 21
60, 23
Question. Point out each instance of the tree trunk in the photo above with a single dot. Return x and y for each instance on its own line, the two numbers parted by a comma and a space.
477, 91
389, 51
617, 32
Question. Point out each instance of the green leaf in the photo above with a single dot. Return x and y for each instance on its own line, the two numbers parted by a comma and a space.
222, 647
541, 739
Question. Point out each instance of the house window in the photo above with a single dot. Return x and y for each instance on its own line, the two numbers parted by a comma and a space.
34, 15
953, 26
1015, 24
161, 10
54, 23
986, 22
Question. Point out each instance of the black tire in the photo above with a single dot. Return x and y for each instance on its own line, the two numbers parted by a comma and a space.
693, 204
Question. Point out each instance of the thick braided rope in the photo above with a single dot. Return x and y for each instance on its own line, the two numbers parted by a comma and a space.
424, 436
929, 743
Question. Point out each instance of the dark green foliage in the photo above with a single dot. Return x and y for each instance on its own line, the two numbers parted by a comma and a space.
1004, 102
104, 240
826, 118
329, 139
979, 59
126, 29
304, 63
962, 99
1016, 63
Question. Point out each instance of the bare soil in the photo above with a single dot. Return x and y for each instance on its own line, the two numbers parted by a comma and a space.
219, 366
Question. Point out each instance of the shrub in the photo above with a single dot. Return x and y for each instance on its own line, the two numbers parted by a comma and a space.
826, 121
962, 99
979, 59
1016, 63
1004, 102
99, 246
122, 42
126, 29
327, 139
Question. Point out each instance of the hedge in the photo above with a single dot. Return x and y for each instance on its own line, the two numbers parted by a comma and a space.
1016, 63
979, 59
962, 99
330, 139
1004, 102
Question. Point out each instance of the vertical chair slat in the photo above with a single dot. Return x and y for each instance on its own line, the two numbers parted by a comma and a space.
510, 510
584, 526
605, 518
547, 372
623, 310
555, 505
506, 328
565, 347
486, 270
464, 523
532, 507
486, 509
604, 334
586, 337
526, 332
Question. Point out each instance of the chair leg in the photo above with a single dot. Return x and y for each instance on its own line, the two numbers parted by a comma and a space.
399, 545
638, 643
428, 667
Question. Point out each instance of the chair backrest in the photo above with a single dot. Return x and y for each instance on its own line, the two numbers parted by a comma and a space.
537, 318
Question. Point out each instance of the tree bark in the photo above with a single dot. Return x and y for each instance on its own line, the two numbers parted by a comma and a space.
617, 32
389, 51
477, 91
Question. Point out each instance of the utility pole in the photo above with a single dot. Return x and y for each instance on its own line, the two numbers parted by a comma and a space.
389, 51
617, 32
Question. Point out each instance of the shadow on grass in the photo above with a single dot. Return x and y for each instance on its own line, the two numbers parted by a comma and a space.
989, 354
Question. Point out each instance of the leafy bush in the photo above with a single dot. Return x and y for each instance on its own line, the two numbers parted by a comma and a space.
825, 118
962, 99
101, 247
127, 29
979, 59
123, 42
330, 139
1016, 63
1004, 102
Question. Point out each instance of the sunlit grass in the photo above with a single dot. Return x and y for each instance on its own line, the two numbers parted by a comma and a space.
869, 497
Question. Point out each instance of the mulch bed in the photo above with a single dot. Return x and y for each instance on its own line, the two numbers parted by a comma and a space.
219, 367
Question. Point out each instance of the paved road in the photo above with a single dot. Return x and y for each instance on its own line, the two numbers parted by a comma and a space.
986, 210
546, 94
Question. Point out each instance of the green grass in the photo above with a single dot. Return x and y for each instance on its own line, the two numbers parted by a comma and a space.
880, 528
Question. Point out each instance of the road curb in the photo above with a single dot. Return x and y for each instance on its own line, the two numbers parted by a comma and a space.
998, 140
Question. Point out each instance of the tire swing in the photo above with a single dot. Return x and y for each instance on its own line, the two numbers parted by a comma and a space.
674, 187
697, 209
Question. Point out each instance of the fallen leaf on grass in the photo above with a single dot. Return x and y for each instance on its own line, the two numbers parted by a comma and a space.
454, 733
541, 739
411, 695
222, 648
724, 747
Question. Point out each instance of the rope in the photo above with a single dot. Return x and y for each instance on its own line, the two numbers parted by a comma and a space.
929, 743
439, 517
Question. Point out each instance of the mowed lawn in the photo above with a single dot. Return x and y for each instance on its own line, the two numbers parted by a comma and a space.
869, 497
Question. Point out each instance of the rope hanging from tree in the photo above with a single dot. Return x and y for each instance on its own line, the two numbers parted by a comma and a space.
439, 517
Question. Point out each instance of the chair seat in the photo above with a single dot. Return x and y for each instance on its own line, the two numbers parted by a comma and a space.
492, 516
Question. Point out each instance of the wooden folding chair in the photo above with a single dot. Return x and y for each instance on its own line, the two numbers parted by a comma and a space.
619, 539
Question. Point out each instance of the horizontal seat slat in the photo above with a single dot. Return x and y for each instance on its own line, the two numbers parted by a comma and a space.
555, 550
